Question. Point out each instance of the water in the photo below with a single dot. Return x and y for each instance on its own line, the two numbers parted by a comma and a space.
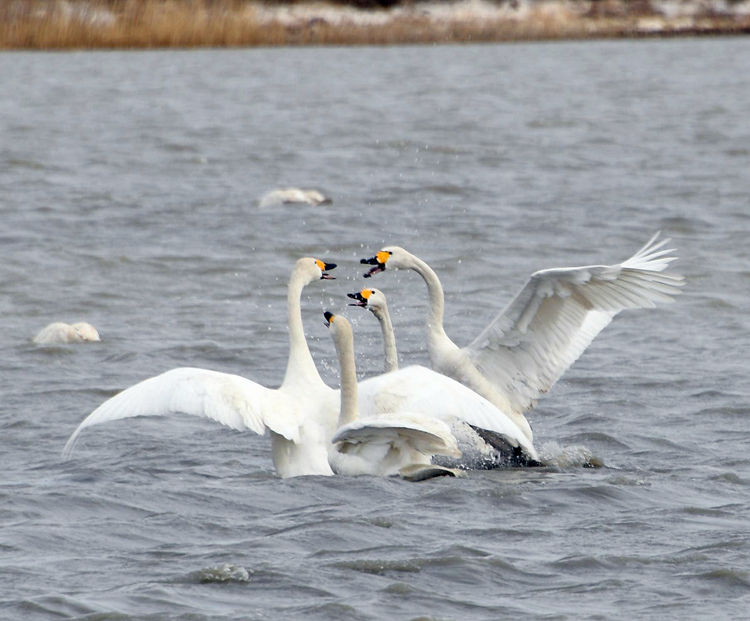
129, 183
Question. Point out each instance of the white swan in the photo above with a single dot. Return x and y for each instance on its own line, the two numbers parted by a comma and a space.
375, 301
59, 333
288, 196
490, 448
545, 328
486, 436
386, 444
297, 414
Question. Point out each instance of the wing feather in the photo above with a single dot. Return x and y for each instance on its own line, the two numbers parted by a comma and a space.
228, 399
426, 435
557, 314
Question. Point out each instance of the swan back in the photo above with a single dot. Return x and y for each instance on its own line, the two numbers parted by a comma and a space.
286, 196
59, 333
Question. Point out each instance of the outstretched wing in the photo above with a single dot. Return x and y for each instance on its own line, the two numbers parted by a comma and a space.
557, 314
228, 399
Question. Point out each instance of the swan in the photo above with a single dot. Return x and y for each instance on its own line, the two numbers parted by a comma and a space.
490, 448
486, 436
59, 333
387, 444
544, 329
296, 414
375, 301
301, 415
289, 196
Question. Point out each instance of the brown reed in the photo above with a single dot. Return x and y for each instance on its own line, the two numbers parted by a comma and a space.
61, 24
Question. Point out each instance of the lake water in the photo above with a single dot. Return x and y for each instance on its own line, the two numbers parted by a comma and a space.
129, 184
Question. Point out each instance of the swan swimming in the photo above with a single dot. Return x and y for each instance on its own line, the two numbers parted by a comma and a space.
290, 196
296, 414
491, 449
59, 333
301, 415
375, 301
544, 329
387, 444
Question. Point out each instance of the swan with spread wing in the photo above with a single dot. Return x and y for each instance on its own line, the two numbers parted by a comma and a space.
545, 328
297, 414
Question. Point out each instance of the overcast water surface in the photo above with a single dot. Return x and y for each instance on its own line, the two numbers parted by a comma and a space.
129, 188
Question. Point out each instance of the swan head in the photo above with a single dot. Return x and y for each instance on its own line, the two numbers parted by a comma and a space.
339, 326
392, 257
371, 299
314, 269
85, 331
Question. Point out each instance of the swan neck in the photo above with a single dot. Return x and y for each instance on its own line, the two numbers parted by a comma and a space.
435, 293
389, 341
349, 407
300, 364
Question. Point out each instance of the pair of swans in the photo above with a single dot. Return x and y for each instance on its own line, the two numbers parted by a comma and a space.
302, 415
544, 329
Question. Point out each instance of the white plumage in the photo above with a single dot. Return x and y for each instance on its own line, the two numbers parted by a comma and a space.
297, 414
381, 444
292, 196
545, 328
59, 333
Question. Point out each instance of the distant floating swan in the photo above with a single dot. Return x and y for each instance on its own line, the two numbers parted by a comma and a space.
296, 414
60, 333
290, 196
385, 444
545, 328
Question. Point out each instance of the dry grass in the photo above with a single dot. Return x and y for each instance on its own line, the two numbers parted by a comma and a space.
59, 24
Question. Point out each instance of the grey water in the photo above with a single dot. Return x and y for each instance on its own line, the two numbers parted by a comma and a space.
129, 188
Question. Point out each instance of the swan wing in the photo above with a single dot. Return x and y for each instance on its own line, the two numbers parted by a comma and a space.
419, 390
420, 433
228, 399
557, 314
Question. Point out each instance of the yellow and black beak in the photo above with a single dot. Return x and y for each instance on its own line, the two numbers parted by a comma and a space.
378, 261
325, 267
329, 318
360, 297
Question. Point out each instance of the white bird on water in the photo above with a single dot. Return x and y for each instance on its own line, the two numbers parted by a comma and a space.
296, 414
385, 444
291, 196
545, 328
302, 414
59, 333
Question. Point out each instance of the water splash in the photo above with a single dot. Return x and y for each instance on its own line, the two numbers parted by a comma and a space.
226, 572
555, 455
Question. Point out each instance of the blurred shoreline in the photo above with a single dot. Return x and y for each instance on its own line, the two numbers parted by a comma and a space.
76, 24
